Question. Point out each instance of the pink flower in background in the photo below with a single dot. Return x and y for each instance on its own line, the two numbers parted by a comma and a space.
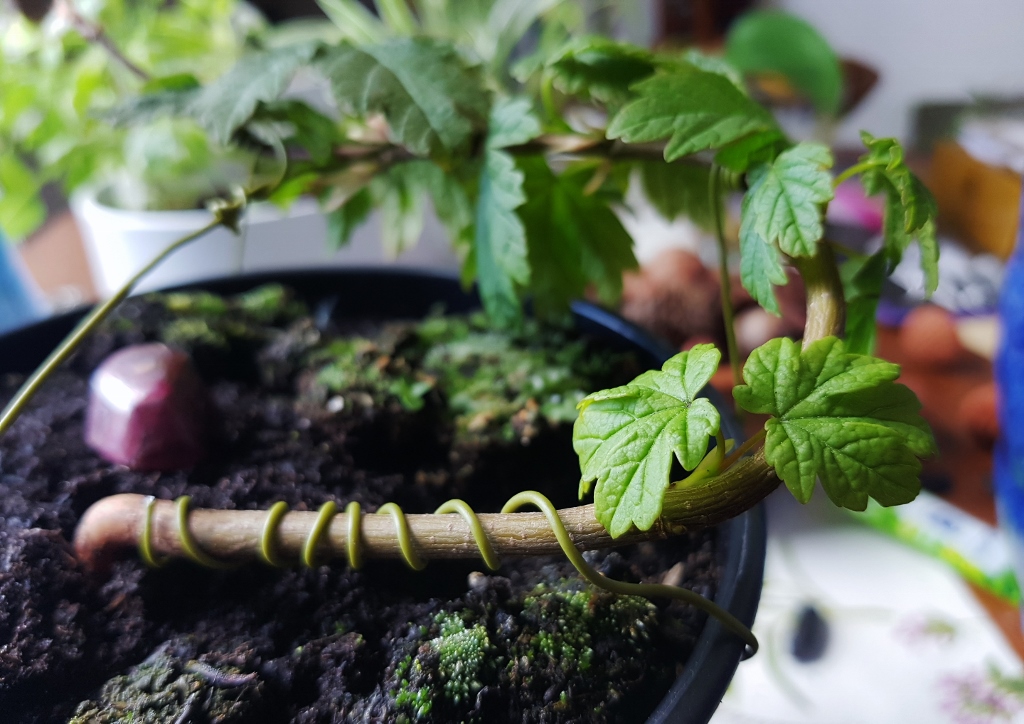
852, 208
975, 698
922, 630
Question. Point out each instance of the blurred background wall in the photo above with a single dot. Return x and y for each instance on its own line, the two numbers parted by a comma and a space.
925, 51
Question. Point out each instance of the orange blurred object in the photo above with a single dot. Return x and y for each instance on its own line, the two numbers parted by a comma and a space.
978, 411
928, 338
978, 203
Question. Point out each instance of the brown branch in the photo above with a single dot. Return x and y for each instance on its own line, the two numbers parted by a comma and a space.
94, 33
114, 526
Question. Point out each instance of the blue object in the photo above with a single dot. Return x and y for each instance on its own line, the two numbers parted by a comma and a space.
1008, 460
17, 305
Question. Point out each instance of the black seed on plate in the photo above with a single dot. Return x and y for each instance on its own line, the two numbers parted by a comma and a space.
811, 637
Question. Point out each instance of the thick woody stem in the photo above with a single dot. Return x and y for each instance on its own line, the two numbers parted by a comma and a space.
826, 305
116, 523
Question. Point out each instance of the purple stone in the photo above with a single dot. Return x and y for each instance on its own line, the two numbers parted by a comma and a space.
148, 409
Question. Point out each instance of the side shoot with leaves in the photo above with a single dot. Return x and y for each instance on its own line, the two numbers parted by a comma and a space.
526, 167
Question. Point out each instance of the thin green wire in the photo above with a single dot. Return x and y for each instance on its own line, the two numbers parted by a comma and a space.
355, 554
530, 497
455, 505
188, 543
146, 537
323, 520
268, 550
646, 590
412, 558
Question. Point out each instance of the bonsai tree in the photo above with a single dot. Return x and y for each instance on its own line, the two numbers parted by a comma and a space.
525, 170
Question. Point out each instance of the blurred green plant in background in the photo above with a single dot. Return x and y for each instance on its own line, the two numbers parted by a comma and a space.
57, 78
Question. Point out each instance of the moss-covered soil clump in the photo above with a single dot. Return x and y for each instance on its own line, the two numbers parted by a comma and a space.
415, 412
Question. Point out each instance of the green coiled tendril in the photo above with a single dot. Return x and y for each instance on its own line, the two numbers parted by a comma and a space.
409, 554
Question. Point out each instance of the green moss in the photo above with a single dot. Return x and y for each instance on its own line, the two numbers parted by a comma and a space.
448, 668
365, 366
158, 690
462, 654
416, 699
497, 385
568, 619
200, 304
191, 332
268, 304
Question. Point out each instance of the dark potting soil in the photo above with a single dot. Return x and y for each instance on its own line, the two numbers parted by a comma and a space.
402, 413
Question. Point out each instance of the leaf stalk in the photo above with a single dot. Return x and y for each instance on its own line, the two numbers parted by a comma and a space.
728, 316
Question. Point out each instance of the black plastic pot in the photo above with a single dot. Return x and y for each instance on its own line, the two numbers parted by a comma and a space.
384, 294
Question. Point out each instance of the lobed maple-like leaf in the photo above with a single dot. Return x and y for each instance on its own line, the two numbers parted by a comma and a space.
600, 68
838, 417
573, 238
862, 286
627, 437
227, 103
760, 264
499, 246
679, 188
694, 109
910, 209
786, 197
431, 98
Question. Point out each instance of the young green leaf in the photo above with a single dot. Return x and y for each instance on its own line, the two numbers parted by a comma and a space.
627, 436
760, 263
148, 107
600, 68
786, 197
400, 198
512, 123
743, 154
573, 238
431, 99
224, 105
303, 126
910, 208
175, 82
500, 242
449, 197
356, 22
695, 109
348, 217
679, 188
838, 417
716, 64
21, 209
499, 251
862, 286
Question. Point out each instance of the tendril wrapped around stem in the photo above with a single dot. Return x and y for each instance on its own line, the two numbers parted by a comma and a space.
261, 535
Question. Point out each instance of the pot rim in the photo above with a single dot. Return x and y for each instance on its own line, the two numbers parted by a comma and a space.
86, 205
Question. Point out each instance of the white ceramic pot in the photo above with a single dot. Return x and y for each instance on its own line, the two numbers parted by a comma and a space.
118, 243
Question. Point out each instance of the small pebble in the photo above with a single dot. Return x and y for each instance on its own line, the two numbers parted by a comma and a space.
674, 575
477, 581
